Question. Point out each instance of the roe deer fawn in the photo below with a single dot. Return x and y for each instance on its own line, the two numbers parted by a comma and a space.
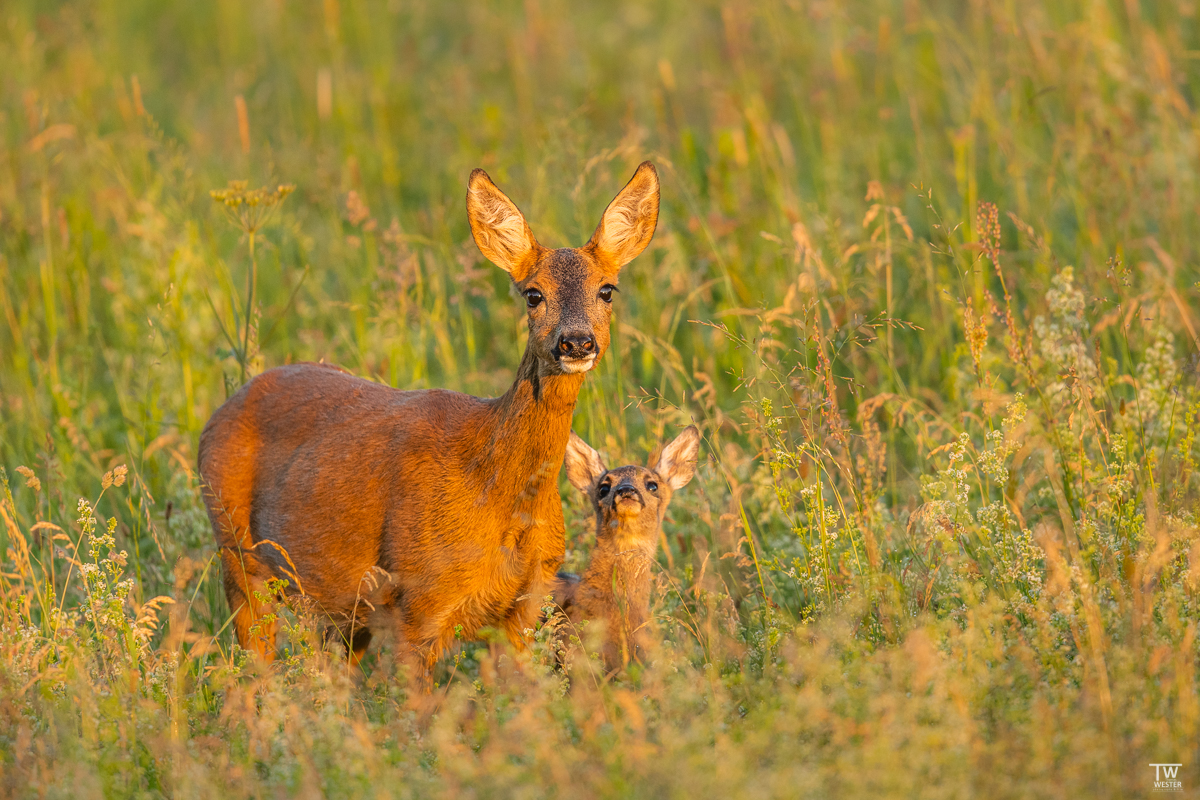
326, 479
630, 503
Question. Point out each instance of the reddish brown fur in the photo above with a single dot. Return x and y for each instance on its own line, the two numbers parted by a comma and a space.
324, 478
630, 503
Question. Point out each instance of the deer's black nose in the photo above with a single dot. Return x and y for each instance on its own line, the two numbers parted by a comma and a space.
576, 345
626, 490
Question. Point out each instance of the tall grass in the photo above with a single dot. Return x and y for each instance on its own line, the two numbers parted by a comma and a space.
925, 276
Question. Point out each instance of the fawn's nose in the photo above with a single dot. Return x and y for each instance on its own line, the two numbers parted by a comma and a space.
627, 490
576, 345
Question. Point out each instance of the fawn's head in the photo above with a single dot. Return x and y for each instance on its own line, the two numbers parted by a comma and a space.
569, 290
631, 501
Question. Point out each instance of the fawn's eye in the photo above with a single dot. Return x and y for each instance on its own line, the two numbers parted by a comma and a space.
603, 491
533, 298
606, 292
652, 487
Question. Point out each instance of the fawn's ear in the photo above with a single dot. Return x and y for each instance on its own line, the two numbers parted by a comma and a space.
500, 230
677, 464
584, 466
629, 221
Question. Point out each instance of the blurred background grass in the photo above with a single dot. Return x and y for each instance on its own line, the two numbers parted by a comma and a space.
825, 171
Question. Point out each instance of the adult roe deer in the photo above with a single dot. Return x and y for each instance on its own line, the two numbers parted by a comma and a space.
630, 503
325, 479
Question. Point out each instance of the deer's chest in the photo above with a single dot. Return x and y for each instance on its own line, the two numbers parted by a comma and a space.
513, 567
493, 582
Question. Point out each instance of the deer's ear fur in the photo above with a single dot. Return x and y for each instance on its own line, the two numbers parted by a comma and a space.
584, 467
499, 228
677, 463
629, 221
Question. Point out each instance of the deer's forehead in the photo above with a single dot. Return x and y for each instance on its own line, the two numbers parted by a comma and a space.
567, 268
631, 472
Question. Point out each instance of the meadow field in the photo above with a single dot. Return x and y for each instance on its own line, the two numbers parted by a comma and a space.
925, 276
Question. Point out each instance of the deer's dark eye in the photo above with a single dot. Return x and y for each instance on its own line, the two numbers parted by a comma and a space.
533, 298
606, 292
603, 491
652, 487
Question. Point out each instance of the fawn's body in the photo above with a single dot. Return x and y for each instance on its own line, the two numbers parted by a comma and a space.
324, 478
630, 503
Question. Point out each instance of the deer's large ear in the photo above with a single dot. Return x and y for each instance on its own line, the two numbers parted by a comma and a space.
500, 230
677, 464
584, 466
629, 221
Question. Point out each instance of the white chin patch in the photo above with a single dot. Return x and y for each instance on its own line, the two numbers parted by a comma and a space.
577, 365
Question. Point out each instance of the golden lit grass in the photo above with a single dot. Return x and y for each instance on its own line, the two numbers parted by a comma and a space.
924, 277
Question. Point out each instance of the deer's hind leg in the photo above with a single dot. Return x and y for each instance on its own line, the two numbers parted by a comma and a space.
250, 601
227, 498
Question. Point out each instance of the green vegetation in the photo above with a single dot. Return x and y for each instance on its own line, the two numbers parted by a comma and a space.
925, 276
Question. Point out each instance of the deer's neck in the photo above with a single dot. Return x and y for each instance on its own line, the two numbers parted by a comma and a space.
531, 424
621, 567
